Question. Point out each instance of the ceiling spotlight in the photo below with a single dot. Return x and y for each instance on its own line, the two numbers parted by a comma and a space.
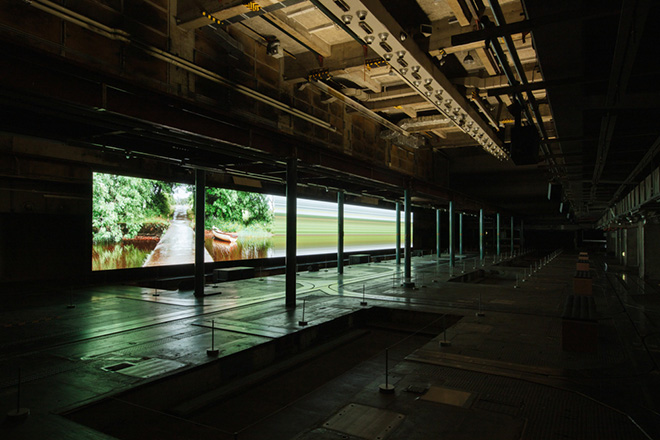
403, 36
469, 59
361, 14
369, 39
347, 19
383, 36
403, 71
448, 102
387, 56
428, 93
428, 81
415, 69
417, 83
400, 53
470, 123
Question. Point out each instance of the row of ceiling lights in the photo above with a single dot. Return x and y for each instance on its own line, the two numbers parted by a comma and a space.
395, 52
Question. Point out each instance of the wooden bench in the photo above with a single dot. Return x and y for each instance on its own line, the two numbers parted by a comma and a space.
582, 283
579, 329
582, 265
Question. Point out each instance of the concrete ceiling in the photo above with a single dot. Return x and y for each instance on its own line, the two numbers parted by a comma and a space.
584, 66
581, 71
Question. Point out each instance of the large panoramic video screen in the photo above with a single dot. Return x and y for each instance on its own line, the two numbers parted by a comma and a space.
141, 222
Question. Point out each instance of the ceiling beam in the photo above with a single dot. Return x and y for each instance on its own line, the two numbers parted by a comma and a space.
525, 26
343, 56
629, 36
298, 32
395, 102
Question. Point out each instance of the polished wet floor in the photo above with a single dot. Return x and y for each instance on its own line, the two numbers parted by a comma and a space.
129, 362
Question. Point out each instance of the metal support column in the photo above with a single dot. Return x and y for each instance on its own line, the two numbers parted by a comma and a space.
497, 234
407, 238
438, 243
398, 233
200, 199
451, 234
340, 232
512, 230
460, 234
291, 233
481, 234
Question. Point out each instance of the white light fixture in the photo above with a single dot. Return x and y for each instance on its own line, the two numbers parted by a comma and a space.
369, 39
361, 14
347, 19
383, 36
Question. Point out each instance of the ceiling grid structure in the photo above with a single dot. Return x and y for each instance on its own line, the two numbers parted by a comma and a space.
410, 84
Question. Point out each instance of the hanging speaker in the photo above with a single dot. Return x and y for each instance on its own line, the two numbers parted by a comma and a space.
554, 192
524, 145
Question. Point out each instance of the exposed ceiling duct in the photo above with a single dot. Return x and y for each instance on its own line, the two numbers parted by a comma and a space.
425, 123
376, 27
398, 139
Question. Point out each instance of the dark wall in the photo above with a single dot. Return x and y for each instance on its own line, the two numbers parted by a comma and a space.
423, 229
550, 240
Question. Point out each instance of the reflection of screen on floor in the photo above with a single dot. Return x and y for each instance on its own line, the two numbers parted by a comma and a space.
140, 222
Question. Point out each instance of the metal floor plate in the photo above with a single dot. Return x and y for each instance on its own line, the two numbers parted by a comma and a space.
364, 421
151, 368
448, 396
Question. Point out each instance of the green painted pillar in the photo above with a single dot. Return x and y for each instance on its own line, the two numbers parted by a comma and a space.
438, 238
291, 230
398, 233
407, 238
200, 200
512, 230
340, 232
481, 234
451, 234
460, 234
497, 234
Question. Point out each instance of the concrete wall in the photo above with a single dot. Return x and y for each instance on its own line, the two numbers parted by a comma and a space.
632, 248
652, 251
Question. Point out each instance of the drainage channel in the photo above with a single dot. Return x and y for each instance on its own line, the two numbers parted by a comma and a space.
246, 391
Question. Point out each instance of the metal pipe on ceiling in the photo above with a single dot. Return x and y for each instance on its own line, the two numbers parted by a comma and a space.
500, 21
120, 35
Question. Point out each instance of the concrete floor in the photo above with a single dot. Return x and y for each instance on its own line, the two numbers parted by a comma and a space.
125, 363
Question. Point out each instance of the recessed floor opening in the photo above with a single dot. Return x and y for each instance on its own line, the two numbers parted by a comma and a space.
334, 371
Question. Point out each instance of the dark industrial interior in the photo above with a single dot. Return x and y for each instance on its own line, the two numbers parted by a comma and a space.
521, 137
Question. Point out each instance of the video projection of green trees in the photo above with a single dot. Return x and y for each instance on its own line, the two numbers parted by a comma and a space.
236, 211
